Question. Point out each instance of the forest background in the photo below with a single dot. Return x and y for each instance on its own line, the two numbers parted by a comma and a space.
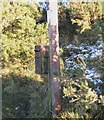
22, 87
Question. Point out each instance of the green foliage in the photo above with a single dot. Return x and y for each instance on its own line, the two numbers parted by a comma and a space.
86, 14
20, 33
80, 101
19, 36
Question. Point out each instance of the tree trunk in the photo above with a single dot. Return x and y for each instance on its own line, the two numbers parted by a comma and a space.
52, 18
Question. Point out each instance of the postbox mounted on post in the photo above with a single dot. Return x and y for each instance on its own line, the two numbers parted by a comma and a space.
41, 59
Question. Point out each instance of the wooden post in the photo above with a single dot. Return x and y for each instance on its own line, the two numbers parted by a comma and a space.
41, 59
38, 61
52, 18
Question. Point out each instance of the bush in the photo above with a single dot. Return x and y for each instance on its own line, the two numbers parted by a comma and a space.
80, 100
20, 33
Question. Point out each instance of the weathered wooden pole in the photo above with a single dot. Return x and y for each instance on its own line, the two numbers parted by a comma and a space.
52, 17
